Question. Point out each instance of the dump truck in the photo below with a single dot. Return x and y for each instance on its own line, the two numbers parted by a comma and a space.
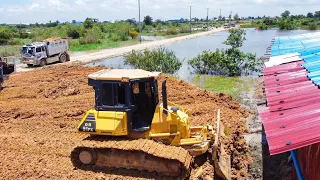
6, 68
130, 128
46, 52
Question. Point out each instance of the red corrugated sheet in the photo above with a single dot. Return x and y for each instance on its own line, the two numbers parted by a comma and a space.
292, 116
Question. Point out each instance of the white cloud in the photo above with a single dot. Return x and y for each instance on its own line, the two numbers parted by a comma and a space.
259, 1
80, 2
55, 3
33, 6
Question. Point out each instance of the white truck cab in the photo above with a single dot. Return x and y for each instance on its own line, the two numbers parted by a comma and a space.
46, 52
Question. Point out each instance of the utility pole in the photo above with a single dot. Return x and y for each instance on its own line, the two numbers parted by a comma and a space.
207, 19
139, 23
230, 18
220, 15
190, 20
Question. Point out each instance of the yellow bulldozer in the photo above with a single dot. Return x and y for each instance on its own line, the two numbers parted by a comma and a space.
130, 128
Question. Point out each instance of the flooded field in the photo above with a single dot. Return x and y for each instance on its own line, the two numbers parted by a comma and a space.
257, 42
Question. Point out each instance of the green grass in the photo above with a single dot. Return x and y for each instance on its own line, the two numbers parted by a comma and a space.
234, 86
105, 44
10, 50
144, 33
13, 50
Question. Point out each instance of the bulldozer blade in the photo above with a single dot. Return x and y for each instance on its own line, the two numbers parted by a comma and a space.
222, 161
222, 164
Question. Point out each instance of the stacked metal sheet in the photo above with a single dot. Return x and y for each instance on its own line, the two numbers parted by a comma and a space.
292, 79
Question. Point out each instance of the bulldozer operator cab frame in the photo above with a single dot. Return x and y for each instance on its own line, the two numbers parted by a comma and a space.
136, 97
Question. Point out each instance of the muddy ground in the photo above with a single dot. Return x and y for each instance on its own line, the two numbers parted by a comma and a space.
39, 112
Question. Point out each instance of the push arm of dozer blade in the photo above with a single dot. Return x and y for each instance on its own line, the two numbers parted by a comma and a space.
222, 161
1, 73
1, 77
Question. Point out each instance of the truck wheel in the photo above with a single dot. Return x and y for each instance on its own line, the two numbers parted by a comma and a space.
42, 63
30, 65
63, 58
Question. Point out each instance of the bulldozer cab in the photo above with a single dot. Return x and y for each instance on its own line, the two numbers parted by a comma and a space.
134, 92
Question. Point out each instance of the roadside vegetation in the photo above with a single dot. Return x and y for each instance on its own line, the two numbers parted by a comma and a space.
91, 34
310, 21
160, 59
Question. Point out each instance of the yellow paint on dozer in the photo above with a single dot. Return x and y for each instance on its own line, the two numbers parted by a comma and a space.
172, 128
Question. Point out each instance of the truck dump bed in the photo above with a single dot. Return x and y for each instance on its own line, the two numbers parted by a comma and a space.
56, 46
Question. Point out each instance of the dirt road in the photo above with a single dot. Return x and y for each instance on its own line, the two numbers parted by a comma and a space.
40, 110
109, 53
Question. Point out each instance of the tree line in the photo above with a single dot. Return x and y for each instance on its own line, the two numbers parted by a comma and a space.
310, 21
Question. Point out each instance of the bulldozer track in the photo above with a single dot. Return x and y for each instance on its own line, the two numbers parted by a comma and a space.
141, 155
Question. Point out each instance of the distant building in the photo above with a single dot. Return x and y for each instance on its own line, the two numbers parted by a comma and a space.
74, 22
105, 22
176, 20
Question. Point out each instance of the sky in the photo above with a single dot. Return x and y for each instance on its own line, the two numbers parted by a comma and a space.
41, 11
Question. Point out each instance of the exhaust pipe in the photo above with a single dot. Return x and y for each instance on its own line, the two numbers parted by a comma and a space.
164, 96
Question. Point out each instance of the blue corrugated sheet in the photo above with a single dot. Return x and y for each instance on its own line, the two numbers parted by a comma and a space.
304, 43
308, 47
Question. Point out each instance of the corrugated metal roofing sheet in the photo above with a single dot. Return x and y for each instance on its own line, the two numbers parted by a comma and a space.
292, 116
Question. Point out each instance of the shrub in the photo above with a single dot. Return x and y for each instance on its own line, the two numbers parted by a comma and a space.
124, 36
23, 34
72, 31
171, 31
262, 26
184, 29
287, 24
73, 42
122, 30
160, 59
159, 27
133, 34
115, 37
91, 37
14, 42
313, 26
6, 33
229, 62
